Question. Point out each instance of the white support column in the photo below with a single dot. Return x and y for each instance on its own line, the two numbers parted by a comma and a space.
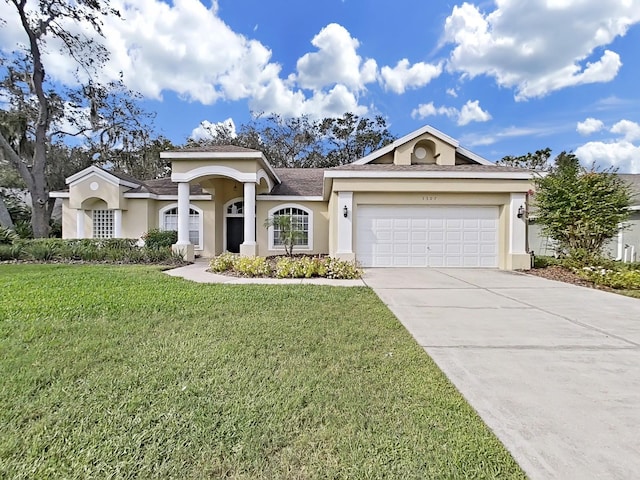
80, 223
184, 247
117, 223
183, 213
517, 257
248, 247
517, 226
345, 226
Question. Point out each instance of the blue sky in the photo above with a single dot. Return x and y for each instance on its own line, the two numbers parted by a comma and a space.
503, 77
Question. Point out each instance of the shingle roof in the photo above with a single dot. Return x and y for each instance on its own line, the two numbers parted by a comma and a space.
299, 181
164, 186
386, 167
122, 176
633, 179
216, 149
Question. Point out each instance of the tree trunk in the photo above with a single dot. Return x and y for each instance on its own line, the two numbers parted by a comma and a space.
40, 215
5, 218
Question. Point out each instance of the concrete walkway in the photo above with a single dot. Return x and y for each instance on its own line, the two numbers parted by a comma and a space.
197, 272
553, 369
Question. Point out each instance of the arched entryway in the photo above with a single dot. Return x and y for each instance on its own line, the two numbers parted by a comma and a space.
234, 224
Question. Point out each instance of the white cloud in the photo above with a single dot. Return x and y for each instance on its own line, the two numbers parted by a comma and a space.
628, 129
452, 92
403, 77
186, 48
470, 112
425, 110
553, 45
623, 155
489, 138
207, 129
589, 126
335, 62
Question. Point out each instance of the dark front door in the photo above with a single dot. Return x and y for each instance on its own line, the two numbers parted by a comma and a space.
235, 233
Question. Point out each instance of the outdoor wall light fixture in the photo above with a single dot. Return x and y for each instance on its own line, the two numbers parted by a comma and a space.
521, 212
345, 211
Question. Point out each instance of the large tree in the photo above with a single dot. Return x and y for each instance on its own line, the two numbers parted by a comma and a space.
304, 142
580, 208
539, 160
40, 115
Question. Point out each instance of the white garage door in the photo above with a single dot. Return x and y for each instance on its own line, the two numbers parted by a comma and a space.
421, 236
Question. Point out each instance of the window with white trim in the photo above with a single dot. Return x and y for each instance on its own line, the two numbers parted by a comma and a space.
170, 222
300, 221
102, 223
236, 209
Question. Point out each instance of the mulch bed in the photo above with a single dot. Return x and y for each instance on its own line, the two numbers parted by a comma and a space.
562, 274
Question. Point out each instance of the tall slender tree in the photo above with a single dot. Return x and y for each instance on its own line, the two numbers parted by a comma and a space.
38, 113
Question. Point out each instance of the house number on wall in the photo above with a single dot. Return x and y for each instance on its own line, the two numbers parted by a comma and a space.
429, 199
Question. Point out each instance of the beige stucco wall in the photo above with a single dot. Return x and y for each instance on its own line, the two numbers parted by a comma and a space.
82, 192
241, 165
445, 153
320, 230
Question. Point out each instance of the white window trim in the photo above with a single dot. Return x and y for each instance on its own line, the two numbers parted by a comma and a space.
297, 248
200, 245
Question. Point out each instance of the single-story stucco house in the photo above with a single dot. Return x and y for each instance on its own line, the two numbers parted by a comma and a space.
421, 201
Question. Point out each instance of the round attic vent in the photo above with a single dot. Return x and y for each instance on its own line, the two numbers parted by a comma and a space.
420, 153
94, 186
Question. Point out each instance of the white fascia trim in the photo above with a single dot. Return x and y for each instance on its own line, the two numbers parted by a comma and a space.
108, 177
165, 197
201, 155
473, 156
270, 168
634, 207
399, 174
407, 138
59, 195
291, 198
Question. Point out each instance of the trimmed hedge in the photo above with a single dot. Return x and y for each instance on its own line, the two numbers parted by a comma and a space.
108, 250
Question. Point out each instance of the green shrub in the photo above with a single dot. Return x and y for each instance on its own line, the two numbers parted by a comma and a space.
222, 262
157, 238
55, 229
252, 266
342, 269
617, 279
7, 236
43, 249
160, 255
10, 252
23, 229
303, 267
544, 261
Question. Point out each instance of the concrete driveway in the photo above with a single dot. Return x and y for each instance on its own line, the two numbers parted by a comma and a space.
553, 369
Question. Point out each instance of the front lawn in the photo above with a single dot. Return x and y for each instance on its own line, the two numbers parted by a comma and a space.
123, 372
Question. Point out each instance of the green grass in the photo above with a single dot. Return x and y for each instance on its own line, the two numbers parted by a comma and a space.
123, 372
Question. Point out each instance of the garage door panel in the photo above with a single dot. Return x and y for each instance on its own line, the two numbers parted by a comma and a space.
427, 236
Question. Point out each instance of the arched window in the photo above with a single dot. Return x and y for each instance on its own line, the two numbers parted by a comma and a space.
301, 221
169, 221
236, 208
